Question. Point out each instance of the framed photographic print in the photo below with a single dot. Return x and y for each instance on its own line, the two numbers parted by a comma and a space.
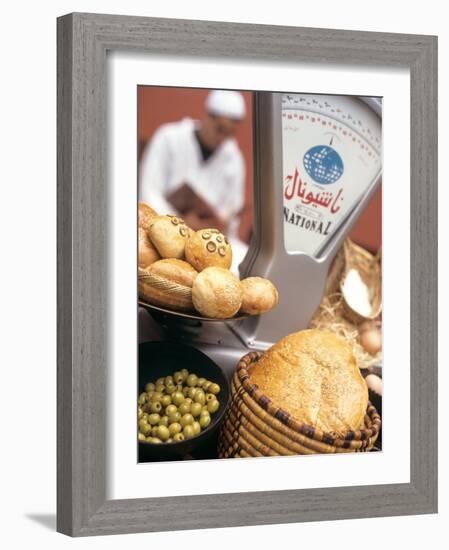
246, 274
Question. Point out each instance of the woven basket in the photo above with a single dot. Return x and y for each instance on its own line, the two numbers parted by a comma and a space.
254, 426
159, 291
369, 269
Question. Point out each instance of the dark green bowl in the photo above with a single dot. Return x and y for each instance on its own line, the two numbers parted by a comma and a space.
158, 359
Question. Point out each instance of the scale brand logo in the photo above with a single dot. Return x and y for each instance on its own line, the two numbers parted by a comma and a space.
323, 164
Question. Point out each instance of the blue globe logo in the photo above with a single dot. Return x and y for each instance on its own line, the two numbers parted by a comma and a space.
323, 164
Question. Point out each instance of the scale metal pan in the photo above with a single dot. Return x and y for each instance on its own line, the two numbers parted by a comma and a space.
183, 315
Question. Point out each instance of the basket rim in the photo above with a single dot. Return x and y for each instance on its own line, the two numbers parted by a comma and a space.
164, 284
301, 427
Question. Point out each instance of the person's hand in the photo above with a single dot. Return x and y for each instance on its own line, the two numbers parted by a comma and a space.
192, 219
196, 222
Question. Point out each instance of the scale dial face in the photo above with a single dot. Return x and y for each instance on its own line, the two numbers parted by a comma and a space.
331, 158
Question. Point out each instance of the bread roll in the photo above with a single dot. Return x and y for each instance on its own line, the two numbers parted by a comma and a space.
168, 283
147, 253
207, 248
174, 270
169, 235
313, 375
259, 295
216, 293
146, 214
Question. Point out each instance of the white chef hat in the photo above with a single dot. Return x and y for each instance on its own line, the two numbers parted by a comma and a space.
226, 103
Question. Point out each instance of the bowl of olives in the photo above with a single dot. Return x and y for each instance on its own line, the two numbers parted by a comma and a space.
182, 397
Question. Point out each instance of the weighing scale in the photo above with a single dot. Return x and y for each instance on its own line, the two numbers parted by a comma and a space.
317, 162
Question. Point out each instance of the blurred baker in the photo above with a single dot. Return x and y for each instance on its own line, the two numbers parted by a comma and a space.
195, 169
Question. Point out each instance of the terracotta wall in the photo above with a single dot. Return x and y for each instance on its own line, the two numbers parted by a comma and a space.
158, 105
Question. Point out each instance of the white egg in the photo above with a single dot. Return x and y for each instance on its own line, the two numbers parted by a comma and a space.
371, 340
374, 383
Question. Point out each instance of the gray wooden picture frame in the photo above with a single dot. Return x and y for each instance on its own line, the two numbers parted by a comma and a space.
83, 41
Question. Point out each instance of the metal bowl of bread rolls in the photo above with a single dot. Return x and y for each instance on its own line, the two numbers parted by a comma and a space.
186, 273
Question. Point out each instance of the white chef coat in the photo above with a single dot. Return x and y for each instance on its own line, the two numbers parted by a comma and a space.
173, 157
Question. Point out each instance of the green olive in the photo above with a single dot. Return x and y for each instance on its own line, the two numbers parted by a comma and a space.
175, 428
169, 440
192, 392
157, 396
144, 427
166, 400
206, 385
214, 388
200, 382
139, 413
154, 431
204, 409
169, 380
142, 398
150, 387
184, 408
188, 431
185, 374
174, 417
145, 417
200, 397
163, 433
179, 388
141, 437
178, 437
196, 427
178, 377
160, 388
177, 397
186, 419
155, 440
195, 409
204, 420
170, 388
156, 407
213, 406
192, 379
188, 400
163, 421
210, 397
154, 419
185, 391
171, 409
160, 381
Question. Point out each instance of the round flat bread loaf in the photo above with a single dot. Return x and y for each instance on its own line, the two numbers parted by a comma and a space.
216, 293
259, 295
208, 248
169, 235
313, 375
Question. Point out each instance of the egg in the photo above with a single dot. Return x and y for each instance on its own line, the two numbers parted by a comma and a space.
370, 338
374, 383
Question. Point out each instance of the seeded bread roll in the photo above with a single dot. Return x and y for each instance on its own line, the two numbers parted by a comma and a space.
147, 253
208, 248
169, 235
259, 295
168, 283
313, 375
146, 214
216, 293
